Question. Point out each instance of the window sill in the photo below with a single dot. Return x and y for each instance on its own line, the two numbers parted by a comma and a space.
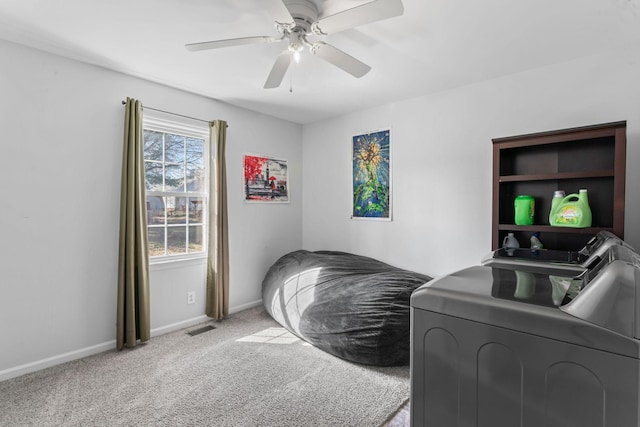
177, 262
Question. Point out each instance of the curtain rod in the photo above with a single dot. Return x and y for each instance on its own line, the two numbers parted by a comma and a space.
174, 114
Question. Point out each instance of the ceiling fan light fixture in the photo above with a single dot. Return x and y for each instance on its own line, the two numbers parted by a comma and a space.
295, 47
296, 41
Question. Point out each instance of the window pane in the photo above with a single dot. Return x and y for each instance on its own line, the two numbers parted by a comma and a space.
176, 240
195, 180
195, 150
174, 177
155, 210
196, 208
156, 241
196, 241
153, 176
195, 164
152, 145
174, 148
176, 210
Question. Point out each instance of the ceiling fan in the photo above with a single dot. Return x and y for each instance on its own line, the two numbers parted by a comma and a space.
297, 19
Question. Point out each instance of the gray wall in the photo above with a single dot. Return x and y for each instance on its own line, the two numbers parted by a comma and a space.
442, 159
62, 127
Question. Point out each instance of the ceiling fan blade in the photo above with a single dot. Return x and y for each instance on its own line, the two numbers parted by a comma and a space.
216, 44
278, 70
340, 59
278, 10
373, 11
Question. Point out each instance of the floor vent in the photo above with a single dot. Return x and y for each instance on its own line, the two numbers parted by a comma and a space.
201, 330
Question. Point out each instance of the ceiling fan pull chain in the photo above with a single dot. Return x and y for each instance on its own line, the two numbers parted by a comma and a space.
291, 73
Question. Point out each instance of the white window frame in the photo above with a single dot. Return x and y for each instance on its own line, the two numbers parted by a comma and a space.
168, 123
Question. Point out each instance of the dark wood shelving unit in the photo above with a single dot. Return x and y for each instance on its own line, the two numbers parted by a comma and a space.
591, 157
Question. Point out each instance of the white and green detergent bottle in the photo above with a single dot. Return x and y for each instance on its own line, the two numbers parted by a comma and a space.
558, 195
571, 211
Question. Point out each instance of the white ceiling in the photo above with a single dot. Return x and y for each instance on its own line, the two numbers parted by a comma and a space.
436, 45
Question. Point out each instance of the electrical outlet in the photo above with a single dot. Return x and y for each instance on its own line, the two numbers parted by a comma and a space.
191, 297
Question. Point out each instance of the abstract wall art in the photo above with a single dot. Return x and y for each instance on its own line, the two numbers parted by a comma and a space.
371, 155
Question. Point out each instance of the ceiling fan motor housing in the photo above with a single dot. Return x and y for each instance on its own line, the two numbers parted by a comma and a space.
304, 13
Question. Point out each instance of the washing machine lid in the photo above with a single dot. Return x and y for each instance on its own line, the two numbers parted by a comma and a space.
520, 301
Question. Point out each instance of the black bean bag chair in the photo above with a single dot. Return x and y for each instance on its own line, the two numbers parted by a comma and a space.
351, 306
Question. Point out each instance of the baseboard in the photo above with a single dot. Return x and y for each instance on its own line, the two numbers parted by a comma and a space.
109, 345
178, 325
245, 306
56, 360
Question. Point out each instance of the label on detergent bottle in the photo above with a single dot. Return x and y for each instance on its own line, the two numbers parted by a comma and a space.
569, 215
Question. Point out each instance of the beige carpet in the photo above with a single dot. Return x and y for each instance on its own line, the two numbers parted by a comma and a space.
246, 372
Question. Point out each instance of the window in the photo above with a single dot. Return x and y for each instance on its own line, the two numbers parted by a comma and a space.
176, 181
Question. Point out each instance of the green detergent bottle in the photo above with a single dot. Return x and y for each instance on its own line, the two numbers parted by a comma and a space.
524, 207
571, 211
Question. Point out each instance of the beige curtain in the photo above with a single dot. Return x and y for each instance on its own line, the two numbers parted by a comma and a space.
218, 261
132, 322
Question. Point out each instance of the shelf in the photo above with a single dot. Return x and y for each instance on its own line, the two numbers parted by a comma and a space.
557, 176
552, 229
